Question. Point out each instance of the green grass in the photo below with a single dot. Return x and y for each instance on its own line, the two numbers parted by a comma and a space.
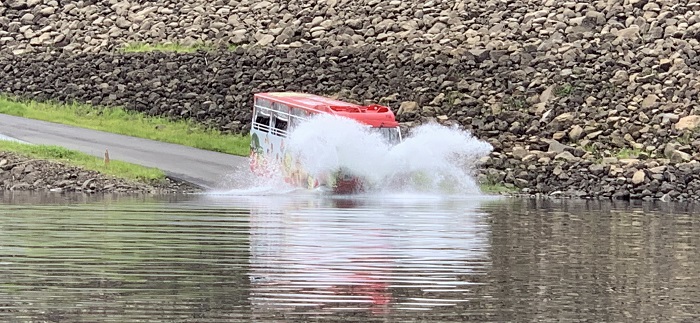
70, 157
166, 47
564, 90
628, 153
118, 120
593, 150
517, 103
490, 188
170, 47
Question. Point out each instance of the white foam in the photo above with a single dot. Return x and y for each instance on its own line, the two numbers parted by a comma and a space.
434, 159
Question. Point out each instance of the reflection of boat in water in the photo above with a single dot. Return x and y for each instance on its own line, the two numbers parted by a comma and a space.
327, 255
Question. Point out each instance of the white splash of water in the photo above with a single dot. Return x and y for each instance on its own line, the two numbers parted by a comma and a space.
326, 143
434, 158
242, 182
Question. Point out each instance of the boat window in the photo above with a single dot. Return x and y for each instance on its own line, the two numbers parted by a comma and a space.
262, 120
283, 108
301, 113
263, 102
297, 115
280, 126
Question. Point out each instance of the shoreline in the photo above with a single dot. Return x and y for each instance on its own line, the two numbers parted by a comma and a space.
59, 177
19, 172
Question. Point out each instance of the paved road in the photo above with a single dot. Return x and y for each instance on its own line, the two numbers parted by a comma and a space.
201, 167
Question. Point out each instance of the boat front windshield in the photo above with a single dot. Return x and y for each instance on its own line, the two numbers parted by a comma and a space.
391, 135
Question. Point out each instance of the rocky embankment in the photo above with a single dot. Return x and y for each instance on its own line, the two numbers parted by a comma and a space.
19, 173
586, 99
92, 26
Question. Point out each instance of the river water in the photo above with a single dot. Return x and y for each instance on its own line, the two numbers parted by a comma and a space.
300, 258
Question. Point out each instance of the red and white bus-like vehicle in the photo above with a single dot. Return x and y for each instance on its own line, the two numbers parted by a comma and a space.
276, 114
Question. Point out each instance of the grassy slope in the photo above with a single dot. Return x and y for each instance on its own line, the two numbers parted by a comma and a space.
117, 168
169, 47
117, 120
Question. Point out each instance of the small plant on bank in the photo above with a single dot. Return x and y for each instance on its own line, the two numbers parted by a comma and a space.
71, 157
628, 153
688, 136
491, 185
172, 47
167, 47
493, 188
515, 103
564, 90
590, 148
594, 151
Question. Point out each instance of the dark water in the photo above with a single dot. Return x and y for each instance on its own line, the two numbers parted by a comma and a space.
66, 258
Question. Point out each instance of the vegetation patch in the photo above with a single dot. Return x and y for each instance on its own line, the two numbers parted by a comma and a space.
121, 121
688, 136
628, 153
166, 47
515, 102
71, 157
594, 151
170, 47
496, 188
564, 90
491, 185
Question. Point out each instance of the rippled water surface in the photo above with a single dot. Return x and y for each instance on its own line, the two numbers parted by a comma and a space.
219, 258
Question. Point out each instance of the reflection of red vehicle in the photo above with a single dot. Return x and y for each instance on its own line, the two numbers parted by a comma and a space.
276, 114
337, 255
348, 186
377, 291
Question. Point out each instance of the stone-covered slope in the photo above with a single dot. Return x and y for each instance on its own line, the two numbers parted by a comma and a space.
589, 98
91, 25
19, 173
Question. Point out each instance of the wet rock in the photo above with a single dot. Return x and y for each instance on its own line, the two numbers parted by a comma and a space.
520, 153
575, 133
33, 174
667, 118
265, 40
408, 107
564, 117
566, 156
689, 122
678, 156
638, 177
557, 147
17, 4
